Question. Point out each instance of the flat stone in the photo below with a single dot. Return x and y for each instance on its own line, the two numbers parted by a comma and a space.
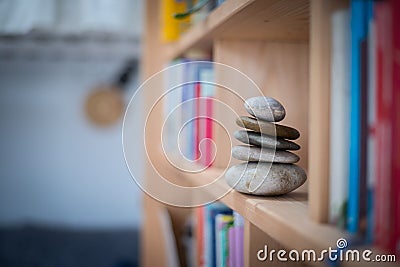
265, 179
253, 153
263, 140
265, 108
268, 128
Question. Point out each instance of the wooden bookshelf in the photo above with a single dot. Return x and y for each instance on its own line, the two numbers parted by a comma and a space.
284, 218
248, 20
284, 46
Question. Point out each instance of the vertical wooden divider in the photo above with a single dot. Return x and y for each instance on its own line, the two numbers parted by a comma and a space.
151, 229
154, 251
319, 109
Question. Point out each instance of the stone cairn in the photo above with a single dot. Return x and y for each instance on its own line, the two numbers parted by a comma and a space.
269, 169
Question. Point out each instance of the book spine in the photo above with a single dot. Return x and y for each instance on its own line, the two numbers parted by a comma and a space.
358, 35
209, 132
364, 65
188, 112
206, 77
396, 123
200, 235
213, 210
383, 190
171, 102
207, 236
172, 28
222, 223
340, 99
232, 247
198, 121
225, 242
371, 117
239, 239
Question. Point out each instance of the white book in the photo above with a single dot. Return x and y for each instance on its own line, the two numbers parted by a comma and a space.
172, 106
340, 103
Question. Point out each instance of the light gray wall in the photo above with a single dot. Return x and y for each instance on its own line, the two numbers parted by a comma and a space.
55, 167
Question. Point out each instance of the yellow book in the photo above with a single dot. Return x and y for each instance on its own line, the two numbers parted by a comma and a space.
171, 27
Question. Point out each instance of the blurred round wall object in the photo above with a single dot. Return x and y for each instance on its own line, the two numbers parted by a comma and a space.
104, 105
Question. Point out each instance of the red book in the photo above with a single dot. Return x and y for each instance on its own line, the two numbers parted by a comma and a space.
197, 156
396, 123
205, 114
383, 192
197, 128
206, 126
200, 236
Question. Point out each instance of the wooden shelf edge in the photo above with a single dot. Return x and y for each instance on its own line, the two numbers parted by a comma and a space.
284, 218
201, 33
229, 14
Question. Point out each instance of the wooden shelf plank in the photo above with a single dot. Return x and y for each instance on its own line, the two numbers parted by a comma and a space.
277, 20
285, 218
319, 111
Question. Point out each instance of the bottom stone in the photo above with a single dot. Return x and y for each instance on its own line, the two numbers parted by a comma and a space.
266, 179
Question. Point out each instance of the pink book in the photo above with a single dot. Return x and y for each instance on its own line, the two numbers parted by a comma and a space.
232, 248
206, 75
197, 128
239, 256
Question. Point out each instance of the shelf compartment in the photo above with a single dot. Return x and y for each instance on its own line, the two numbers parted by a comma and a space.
276, 20
284, 218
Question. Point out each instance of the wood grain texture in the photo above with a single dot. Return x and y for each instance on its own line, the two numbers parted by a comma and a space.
278, 20
255, 240
284, 219
152, 229
154, 251
320, 69
268, 41
280, 70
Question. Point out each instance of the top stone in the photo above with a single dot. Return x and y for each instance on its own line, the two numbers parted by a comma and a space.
265, 108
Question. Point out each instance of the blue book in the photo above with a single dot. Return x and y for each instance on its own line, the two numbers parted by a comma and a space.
210, 212
192, 72
359, 29
187, 136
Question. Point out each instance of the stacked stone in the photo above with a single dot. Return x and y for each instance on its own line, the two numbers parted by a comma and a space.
269, 168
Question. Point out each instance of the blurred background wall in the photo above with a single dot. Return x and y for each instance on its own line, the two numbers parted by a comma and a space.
58, 169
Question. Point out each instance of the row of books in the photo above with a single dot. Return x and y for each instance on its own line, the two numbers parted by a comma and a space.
189, 108
219, 236
188, 128
365, 122
178, 15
